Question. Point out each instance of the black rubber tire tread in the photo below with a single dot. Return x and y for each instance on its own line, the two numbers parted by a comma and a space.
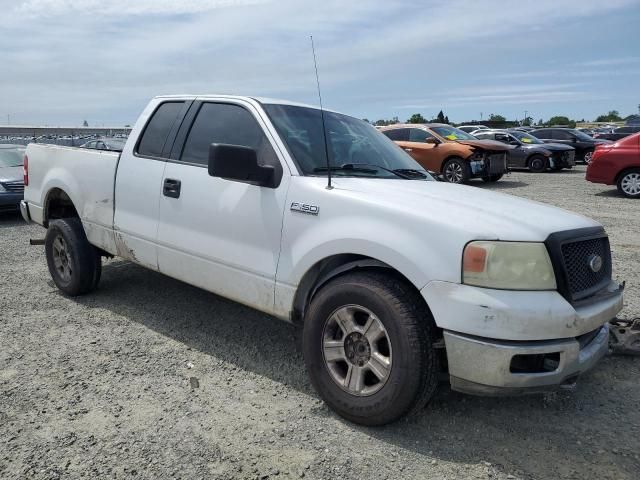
492, 178
619, 181
466, 169
536, 170
86, 259
416, 322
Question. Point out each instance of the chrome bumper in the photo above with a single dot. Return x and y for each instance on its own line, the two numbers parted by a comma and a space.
483, 366
24, 210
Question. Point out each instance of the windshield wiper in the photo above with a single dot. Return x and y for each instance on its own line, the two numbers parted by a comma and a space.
410, 172
354, 167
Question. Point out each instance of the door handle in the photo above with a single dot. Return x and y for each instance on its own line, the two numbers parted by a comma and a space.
171, 188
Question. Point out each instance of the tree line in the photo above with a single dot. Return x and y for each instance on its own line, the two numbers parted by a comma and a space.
611, 116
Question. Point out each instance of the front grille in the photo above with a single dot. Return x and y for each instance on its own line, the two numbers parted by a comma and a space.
14, 187
581, 261
577, 261
497, 163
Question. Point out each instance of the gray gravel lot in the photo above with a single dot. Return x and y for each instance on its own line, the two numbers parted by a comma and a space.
151, 378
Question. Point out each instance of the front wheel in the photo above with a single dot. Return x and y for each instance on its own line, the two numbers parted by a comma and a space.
456, 170
492, 178
368, 347
74, 264
629, 183
588, 156
537, 164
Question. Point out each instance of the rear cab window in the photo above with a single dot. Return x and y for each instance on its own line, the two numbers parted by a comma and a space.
153, 142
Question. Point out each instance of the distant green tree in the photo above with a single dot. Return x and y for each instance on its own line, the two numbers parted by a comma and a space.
382, 122
446, 119
440, 117
85, 124
417, 118
497, 118
527, 122
612, 116
366, 120
540, 122
561, 120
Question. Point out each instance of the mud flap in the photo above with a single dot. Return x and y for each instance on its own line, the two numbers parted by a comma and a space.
624, 336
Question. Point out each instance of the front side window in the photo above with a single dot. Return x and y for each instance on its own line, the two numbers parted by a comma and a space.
228, 124
157, 130
419, 135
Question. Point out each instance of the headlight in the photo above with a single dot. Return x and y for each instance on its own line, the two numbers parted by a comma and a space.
508, 266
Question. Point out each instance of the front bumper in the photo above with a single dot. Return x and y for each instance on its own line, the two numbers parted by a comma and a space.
484, 329
482, 366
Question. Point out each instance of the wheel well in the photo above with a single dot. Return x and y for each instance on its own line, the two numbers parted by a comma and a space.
626, 170
535, 154
58, 205
332, 267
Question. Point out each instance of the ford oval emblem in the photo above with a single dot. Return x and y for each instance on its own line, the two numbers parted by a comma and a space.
595, 263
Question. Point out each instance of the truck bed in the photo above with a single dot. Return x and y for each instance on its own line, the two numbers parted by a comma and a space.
87, 176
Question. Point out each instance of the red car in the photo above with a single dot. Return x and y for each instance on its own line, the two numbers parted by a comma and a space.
618, 164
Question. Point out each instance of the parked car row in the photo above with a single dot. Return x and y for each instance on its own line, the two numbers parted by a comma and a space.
11, 176
448, 151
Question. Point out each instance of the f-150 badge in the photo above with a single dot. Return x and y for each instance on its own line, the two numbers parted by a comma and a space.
305, 208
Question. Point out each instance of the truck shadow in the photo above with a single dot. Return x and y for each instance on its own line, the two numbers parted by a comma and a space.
11, 219
539, 436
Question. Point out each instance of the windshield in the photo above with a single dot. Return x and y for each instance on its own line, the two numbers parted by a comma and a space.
351, 143
582, 135
525, 137
452, 133
11, 158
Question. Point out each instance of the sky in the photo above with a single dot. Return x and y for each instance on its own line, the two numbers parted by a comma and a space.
65, 61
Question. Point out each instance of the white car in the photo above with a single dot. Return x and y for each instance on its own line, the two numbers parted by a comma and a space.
395, 278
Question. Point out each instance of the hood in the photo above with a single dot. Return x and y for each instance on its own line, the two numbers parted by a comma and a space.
554, 147
11, 174
486, 144
481, 214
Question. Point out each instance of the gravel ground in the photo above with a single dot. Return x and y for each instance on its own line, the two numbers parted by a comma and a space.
151, 378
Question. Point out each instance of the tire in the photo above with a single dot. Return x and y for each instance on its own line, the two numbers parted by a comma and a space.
537, 164
74, 264
406, 333
587, 157
629, 183
492, 178
456, 170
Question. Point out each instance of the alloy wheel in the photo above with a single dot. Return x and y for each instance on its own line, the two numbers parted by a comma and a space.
356, 350
587, 157
630, 184
62, 259
453, 172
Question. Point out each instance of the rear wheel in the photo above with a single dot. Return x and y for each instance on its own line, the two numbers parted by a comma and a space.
456, 170
537, 164
492, 178
74, 264
629, 183
367, 344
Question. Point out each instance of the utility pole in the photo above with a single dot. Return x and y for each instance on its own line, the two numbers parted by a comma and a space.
9, 118
525, 116
481, 114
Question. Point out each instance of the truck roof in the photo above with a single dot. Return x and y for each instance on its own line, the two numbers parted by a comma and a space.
265, 100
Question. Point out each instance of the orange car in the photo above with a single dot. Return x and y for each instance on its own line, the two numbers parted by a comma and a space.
452, 153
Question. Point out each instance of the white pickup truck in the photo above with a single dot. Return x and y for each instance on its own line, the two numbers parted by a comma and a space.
395, 278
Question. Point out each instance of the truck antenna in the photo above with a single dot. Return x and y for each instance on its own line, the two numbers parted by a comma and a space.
324, 128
